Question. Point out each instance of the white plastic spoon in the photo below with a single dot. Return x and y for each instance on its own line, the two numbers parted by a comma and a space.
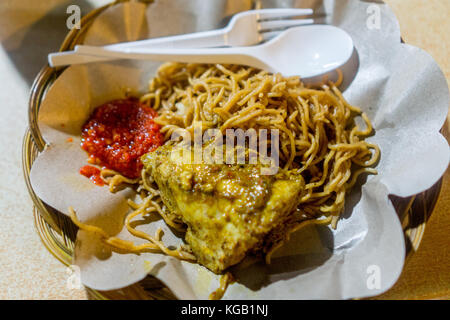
305, 51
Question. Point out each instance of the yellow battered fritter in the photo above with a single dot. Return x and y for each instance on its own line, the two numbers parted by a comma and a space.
229, 209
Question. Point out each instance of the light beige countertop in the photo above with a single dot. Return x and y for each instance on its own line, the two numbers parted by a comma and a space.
28, 34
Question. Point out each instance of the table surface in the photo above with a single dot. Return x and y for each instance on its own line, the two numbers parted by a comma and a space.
29, 271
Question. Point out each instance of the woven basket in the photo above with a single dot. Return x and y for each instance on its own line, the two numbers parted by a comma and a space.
58, 233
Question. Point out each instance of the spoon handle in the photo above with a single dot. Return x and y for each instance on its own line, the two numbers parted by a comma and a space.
230, 55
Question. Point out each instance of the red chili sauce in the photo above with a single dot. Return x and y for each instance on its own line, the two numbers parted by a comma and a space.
93, 174
117, 134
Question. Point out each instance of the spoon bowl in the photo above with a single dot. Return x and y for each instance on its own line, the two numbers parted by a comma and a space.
307, 51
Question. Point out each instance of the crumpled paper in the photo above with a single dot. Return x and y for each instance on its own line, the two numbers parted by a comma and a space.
400, 87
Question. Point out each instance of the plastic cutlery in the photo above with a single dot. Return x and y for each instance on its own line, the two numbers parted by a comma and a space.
306, 51
244, 29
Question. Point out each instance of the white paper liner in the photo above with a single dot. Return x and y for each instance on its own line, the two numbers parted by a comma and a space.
400, 87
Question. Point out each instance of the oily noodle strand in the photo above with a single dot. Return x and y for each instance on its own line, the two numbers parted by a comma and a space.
225, 281
318, 138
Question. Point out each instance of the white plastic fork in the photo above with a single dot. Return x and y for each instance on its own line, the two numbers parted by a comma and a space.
305, 51
244, 29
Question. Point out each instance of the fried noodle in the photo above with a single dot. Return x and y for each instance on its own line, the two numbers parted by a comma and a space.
318, 138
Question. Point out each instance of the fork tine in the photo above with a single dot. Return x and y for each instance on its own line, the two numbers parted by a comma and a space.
282, 13
275, 24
